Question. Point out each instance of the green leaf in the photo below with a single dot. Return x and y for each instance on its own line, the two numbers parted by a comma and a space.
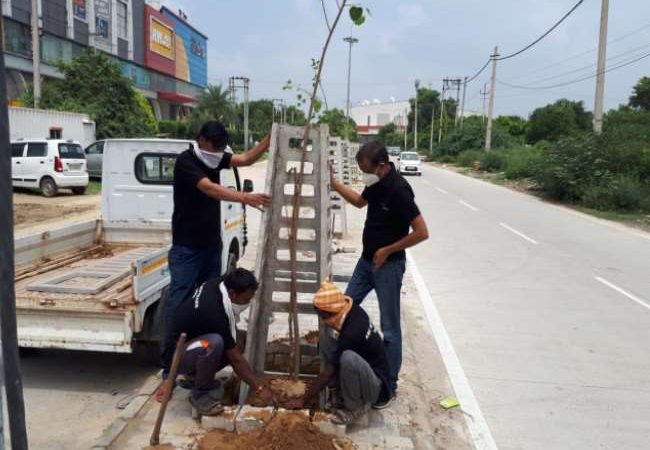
357, 15
318, 105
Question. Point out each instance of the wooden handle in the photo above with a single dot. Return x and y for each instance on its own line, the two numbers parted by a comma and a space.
171, 379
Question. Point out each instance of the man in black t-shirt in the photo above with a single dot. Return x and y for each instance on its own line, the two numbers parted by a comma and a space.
209, 318
354, 356
196, 250
392, 214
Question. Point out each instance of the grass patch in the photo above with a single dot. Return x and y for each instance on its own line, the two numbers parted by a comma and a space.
94, 187
640, 220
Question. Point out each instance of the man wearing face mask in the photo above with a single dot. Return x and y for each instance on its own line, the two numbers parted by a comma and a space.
209, 317
196, 252
393, 224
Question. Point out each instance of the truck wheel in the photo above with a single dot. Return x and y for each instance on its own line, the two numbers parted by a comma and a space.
147, 343
232, 261
147, 352
48, 187
79, 190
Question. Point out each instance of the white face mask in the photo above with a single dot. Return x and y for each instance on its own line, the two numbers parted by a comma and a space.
238, 309
212, 160
369, 179
228, 149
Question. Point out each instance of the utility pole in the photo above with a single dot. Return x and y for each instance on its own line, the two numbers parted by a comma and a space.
10, 375
462, 107
415, 124
406, 121
484, 94
351, 41
442, 109
36, 54
433, 115
279, 110
493, 85
602, 63
458, 83
243, 83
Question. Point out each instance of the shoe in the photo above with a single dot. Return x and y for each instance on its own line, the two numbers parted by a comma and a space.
383, 404
346, 417
204, 405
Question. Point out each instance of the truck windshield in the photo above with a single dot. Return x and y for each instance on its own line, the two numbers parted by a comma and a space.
71, 151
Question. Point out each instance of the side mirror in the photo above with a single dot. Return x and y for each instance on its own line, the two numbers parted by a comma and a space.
248, 186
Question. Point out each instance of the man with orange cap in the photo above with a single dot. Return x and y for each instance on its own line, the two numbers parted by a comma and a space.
354, 356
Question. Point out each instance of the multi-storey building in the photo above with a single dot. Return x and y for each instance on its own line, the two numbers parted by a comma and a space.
164, 56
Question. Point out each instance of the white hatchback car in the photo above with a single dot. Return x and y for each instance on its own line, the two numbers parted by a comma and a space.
48, 165
409, 163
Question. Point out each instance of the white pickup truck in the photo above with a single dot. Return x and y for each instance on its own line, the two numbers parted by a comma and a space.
101, 285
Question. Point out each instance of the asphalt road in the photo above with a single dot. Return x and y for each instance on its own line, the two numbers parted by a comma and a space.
548, 312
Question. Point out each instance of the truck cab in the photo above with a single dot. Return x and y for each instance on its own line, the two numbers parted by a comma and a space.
102, 285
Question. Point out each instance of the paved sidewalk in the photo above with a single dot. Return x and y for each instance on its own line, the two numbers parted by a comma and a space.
414, 421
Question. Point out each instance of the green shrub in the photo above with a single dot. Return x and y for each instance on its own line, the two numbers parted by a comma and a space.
626, 193
520, 162
469, 158
494, 161
644, 205
598, 197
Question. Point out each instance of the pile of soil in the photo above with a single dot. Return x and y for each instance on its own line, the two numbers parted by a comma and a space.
284, 389
283, 432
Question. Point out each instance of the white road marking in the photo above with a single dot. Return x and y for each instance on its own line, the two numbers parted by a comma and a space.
519, 233
476, 423
442, 191
464, 203
632, 297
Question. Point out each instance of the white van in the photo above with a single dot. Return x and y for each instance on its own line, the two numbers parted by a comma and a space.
101, 285
48, 165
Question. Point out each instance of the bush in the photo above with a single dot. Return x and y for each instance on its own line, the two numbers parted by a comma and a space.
520, 162
626, 193
598, 197
469, 158
494, 161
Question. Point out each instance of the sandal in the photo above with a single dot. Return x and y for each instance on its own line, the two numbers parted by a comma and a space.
205, 405
345, 417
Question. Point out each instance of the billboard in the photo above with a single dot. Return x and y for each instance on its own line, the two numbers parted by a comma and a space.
160, 42
103, 39
79, 9
191, 51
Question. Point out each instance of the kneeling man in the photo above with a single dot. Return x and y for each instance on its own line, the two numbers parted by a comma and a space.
354, 356
209, 319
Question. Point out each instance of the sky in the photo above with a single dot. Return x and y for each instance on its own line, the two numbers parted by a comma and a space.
272, 41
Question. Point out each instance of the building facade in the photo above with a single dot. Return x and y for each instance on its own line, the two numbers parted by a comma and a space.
371, 117
158, 50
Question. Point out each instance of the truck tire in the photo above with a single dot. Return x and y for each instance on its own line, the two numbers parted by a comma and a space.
79, 190
147, 344
48, 187
233, 258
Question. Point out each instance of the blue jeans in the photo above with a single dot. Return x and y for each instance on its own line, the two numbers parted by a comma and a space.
387, 283
189, 268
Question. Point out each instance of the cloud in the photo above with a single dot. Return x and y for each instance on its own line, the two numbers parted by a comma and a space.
412, 15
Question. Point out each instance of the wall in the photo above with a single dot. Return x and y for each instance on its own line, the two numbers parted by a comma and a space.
21, 10
54, 17
191, 51
138, 31
36, 123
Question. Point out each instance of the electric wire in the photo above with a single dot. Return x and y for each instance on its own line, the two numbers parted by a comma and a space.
539, 39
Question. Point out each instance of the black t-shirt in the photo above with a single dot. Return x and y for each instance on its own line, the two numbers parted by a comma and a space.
196, 219
391, 209
359, 335
202, 313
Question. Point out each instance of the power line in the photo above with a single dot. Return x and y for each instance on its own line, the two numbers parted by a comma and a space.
539, 39
589, 66
480, 71
586, 52
578, 80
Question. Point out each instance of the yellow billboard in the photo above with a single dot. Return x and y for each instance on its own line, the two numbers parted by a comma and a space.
161, 39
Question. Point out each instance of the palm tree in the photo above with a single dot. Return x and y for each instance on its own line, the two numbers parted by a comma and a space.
213, 104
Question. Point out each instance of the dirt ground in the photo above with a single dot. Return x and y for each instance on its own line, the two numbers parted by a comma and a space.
33, 212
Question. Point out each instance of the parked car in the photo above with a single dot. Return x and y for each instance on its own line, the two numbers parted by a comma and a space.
48, 165
94, 156
409, 163
394, 151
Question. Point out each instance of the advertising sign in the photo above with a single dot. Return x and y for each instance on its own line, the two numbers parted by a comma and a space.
191, 50
103, 19
79, 9
161, 39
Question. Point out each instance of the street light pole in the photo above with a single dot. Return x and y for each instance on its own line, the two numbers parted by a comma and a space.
351, 41
602, 64
415, 124
36, 54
